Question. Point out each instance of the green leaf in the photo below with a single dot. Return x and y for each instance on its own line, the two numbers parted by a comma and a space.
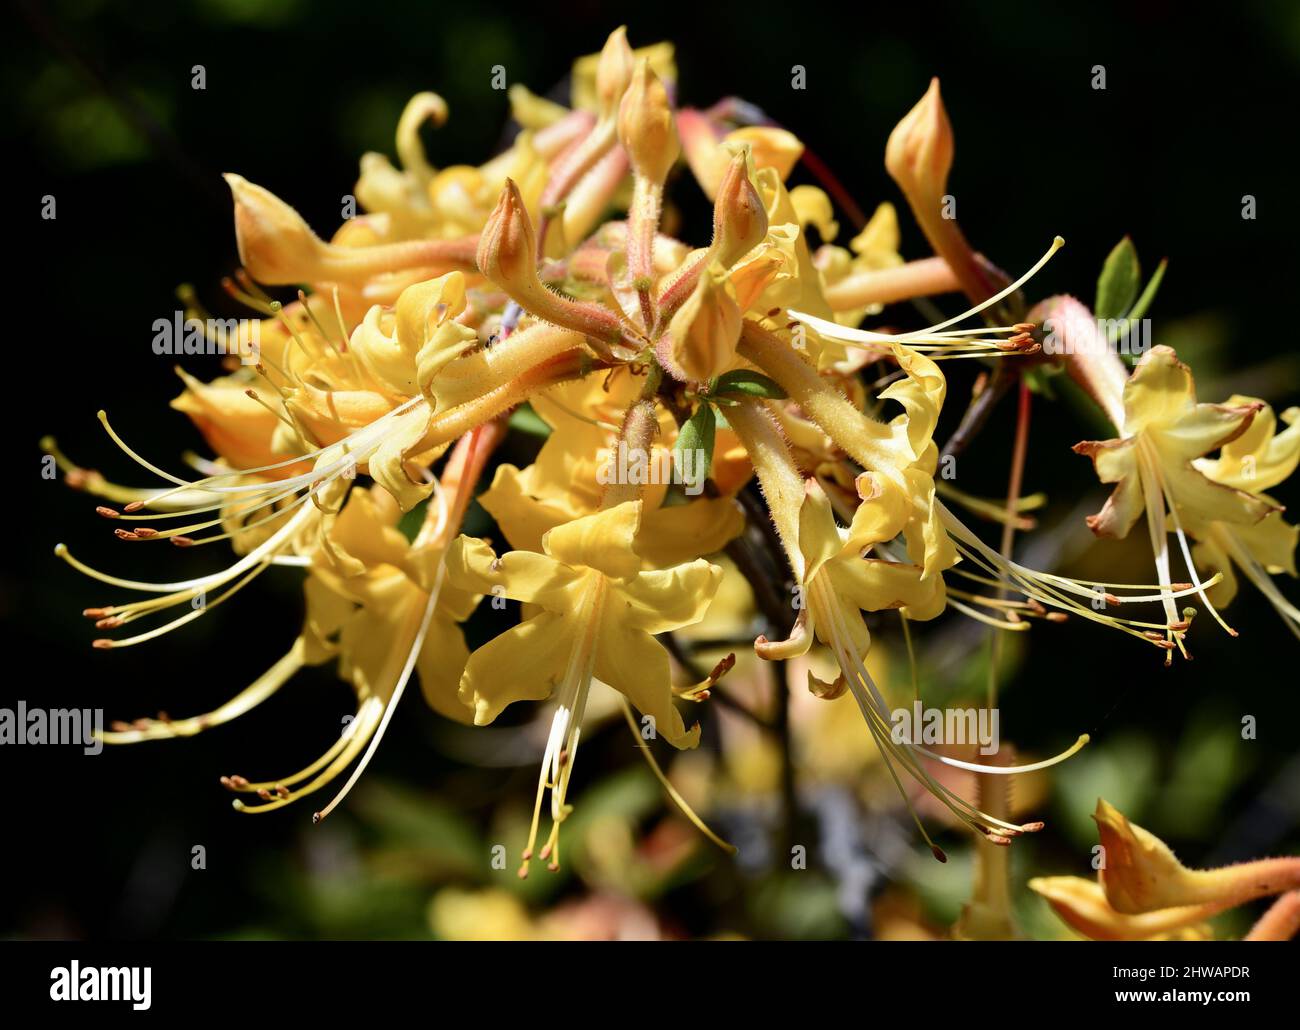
1117, 287
526, 420
748, 384
1139, 309
696, 439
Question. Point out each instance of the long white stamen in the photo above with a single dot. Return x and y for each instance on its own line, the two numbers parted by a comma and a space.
835, 331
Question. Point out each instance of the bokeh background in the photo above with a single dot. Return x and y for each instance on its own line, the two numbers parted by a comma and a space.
100, 113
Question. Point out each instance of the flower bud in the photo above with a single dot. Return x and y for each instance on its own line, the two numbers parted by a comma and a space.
920, 150
507, 254
645, 125
739, 218
278, 248
705, 331
614, 72
507, 247
919, 157
1142, 874
275, 245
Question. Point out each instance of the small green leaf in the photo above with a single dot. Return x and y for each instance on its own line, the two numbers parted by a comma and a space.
1139, 309
693, 451
526, 420
748, 384
1039, 379
1117, 286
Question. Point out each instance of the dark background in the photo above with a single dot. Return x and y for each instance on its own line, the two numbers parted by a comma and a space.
1199, 110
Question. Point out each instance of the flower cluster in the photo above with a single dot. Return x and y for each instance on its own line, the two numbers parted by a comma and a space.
552, 276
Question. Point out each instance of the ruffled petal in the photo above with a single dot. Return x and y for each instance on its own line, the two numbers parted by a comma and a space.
677, 533
1115, 462
636, 665
1260, 457
1160, 391
521, 575
522, 664
657, 602
602, 541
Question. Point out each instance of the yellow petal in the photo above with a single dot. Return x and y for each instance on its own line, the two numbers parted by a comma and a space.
1204, 428
1115, 462
928, 542
234, 425
388, 465
1159, 392
814, 208
883, 513
602, 541
367, 528
441, 662
677, 533
376, 641
1260, 457
635, 664
657, 602
522, 664
525, 514
1207, 500
521, 575
873, 585
819, 536
1272, 542
921, 394
774, 148
1211, 558
1082, 904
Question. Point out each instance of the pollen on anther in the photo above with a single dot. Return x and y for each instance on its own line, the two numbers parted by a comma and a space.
107, 512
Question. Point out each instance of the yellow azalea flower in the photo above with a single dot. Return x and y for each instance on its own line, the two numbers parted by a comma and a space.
1143, 891
1257, 460
240, 428
403, 347
403, 195
707, 148
380, 606
1163, 430
901, 444
549, 275
564, 481
837, 582
596, 613
874, 249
